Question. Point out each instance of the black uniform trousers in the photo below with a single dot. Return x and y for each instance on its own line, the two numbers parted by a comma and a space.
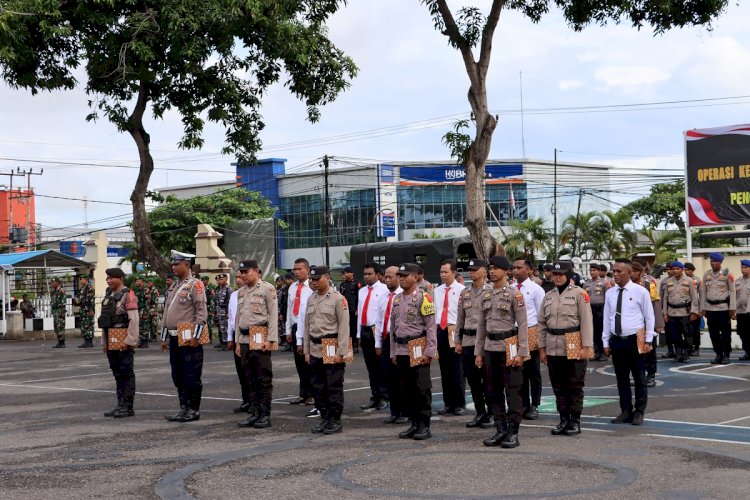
567, 377
650, 360
627, 361
695, 332
451, 372
244, 386
372, 362
415, 385
258, 372
597, 311
187, 368
679, 328
389, 372
353, 326
121, 364
303, 369
743, 330
503, 385
531, 390
720, 330
327, 384
477, 378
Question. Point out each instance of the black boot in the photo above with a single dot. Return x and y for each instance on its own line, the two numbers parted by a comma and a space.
120, 405
510, 440
178, 416
409, 433
560, 428
144, 344
84, 345
264, 420
334, 426
574, 425
253, 416
488, 423
669, 354
716, 360
423, 431
90, 343
318, 428
127, 409
499, 436
476, 421
60, 344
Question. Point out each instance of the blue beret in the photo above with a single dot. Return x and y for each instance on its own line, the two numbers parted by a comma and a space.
716, 256
679, 264
745, 262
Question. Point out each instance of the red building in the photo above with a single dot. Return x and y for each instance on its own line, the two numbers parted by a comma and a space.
17, 218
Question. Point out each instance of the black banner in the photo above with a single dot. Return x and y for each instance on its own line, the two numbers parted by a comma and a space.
718, 175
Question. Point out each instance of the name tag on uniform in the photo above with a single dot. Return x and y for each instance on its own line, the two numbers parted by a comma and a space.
330, 350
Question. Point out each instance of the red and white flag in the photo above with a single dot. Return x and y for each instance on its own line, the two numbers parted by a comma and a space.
512, 198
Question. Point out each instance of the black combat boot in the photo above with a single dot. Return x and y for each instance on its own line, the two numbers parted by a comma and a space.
60, 344
488, 423
120, 405
510, 440
560, 428
334, 426
497, 438
144, 344
318, 428
409, 433
476, 421
84, 345
126, 410
252, 417
574, 424
178, 416
423, 431
669, 354
264, 419
717, 359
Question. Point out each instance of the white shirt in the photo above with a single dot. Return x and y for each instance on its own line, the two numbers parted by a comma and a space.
231, 315
291, 319
384, 309
439, 300
533, 298
637, 312
374, 314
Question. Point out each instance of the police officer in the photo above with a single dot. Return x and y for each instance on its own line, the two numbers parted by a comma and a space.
349, 288
695, 325
467, 324
566, 310
325, 315
257, 311
596, 287
86, 302
718, 306
120, 310
680, 305
221, 297
668, 271
413, 317
58, 304
742, 290
185, 303
422, 284
388, 371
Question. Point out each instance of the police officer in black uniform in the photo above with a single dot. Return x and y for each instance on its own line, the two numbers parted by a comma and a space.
349, 288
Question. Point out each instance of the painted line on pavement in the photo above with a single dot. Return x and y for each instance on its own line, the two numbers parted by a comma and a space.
698, 439
733, 420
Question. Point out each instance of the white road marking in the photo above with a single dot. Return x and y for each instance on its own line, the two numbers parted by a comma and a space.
679, 369
734, 420
698, 439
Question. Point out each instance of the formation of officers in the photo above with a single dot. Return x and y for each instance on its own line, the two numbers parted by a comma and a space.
493, 334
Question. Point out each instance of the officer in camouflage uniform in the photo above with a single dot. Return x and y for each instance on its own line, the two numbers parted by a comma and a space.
86, 301
210, 304
144, 324
221, 296
58, 304
153, 311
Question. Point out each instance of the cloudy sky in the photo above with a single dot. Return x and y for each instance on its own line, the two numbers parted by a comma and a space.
409, 77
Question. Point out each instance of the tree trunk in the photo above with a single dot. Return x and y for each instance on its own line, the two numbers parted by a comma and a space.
141, 227
476, 207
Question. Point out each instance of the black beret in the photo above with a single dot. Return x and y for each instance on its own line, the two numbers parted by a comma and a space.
116, 272
562, 266
475, 264
288, 276
547, 267
690, 265
317, 271
405, 269
348, 269
603, 267
501, 262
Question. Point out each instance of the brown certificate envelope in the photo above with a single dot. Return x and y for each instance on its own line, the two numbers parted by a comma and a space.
573, 345
331, 346
185, 334
640, 337
533, 338
417, 347
511, 350
452, 336
116, 339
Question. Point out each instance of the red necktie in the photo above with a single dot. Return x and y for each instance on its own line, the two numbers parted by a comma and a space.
364, 308
387, 315
444, 316
295, 307
518, 286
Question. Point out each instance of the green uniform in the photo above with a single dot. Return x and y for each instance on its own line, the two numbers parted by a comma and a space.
87, 303
144, 323
211, 306
58, 301
153, 302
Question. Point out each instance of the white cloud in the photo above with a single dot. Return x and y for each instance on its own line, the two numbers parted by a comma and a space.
570, 84
630, 78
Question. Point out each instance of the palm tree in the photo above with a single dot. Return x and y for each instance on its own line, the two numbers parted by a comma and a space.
663, 244
528, 238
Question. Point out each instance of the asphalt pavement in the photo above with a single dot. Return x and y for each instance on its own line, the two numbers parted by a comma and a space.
55, 443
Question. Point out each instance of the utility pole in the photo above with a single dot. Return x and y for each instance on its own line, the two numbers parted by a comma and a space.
575, 227
327, 210
29, 228
10, 209
554, 205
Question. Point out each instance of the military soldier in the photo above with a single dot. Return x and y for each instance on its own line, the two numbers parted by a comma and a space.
221, 296
413, 317
120, 310
210, 304
144, 325
185, 304
718, 306
257, 311
58, 303
349, 288
503, 317
422, 284
742, 289
86, 302
325, 315
153, 311
566, 310
467, 323
680, 305
596, 287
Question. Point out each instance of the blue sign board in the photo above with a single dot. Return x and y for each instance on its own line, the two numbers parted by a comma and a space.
455, 174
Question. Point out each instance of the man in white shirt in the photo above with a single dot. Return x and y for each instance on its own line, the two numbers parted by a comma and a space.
533, 295
447, 296
299, 292
231, 316
628, 310
389, 371
369, 333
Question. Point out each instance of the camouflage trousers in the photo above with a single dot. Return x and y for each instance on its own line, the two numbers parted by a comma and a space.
87, 326
59, 324
222, 321
154, 327
144, 328
210, 326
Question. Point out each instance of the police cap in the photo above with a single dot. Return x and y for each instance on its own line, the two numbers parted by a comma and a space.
316, 272
562, 266
475, 264
406, 269
248, 264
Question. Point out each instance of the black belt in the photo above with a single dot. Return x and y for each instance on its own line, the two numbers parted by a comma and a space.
246, 331
406, 340
319, 340
502, 335
686, 305
468, 333
563, 331
717, 302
